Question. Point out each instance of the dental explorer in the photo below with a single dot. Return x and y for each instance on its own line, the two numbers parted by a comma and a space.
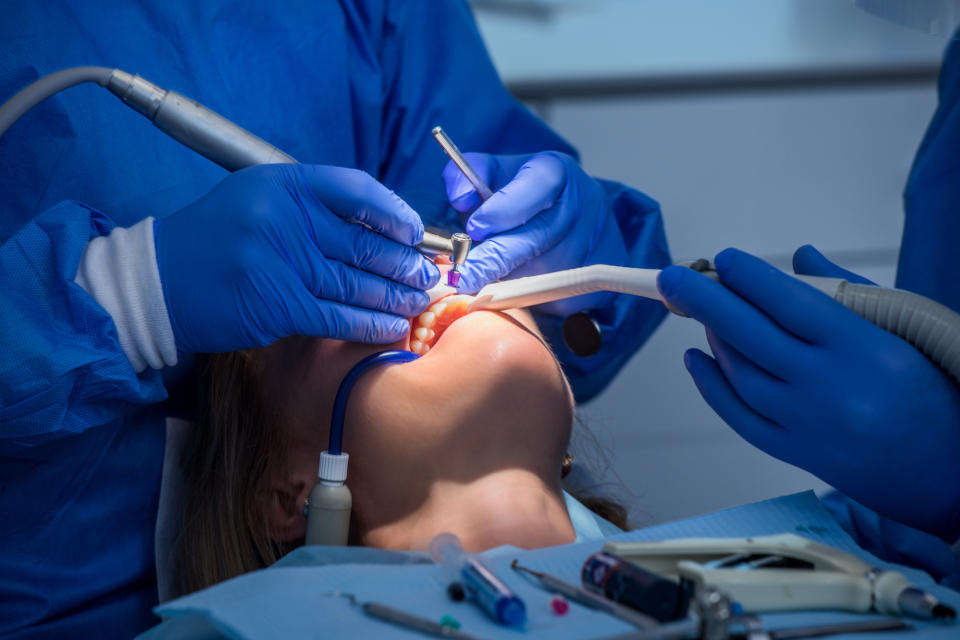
587, 598
189, 123
453, 277
404, 619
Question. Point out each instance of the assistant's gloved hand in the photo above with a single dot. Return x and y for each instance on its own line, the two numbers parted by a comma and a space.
811, 383
270, 252
546, 214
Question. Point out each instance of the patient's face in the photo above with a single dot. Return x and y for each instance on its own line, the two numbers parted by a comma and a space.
483, 417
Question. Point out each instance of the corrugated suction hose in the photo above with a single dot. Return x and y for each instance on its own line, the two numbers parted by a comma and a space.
932, 328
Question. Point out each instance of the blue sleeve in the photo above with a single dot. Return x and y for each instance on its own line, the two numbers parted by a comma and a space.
438, 73
894, 542
932, 197
62, 370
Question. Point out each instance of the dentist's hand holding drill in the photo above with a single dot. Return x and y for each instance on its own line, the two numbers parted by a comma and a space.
275, 250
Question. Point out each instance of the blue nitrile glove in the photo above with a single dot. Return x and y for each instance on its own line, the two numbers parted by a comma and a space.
813, 384
270, 252
546, 214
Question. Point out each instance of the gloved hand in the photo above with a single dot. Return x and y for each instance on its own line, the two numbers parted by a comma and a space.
546, 214
808, 381
270, 252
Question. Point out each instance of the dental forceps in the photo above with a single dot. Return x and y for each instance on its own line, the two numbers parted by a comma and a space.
404, 619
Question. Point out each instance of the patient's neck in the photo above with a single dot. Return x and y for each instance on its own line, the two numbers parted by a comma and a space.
510, 506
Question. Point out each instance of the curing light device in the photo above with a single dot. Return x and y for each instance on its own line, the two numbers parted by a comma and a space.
193, 125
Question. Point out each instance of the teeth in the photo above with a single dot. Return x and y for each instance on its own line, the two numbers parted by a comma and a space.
424, 334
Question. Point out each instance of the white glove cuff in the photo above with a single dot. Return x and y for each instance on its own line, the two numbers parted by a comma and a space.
120, 272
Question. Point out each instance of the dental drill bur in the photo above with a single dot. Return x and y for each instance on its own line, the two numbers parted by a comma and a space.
461, 241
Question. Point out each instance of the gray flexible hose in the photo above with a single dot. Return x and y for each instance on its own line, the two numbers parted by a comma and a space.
35, 93
929, 326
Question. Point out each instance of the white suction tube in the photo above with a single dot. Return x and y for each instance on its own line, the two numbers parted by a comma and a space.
534, 290
928, 326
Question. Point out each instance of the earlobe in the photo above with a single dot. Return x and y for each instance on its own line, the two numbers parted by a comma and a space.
285, 519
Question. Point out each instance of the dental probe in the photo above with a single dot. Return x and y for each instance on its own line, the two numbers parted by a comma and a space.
453, 277
185, 120
404, 619
586, 598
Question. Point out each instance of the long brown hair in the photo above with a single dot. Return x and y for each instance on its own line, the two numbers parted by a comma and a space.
228, 459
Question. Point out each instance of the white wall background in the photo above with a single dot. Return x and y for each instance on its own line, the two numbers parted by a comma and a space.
797, 124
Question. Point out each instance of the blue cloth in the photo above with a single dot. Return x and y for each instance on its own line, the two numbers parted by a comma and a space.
287, 599
586, 524
354, 84
932, 197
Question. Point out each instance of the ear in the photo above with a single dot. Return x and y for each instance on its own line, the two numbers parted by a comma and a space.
284, 510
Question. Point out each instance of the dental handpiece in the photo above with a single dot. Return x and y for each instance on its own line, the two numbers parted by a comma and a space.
218, 139
186, 121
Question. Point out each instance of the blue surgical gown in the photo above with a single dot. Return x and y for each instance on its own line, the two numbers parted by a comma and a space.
932, 197
355, 84
927, 266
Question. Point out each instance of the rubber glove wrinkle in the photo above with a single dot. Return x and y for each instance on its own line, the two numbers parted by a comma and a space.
537, 185
261, 257
546, 215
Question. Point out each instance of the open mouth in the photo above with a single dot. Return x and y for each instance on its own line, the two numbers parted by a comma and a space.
427, 328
